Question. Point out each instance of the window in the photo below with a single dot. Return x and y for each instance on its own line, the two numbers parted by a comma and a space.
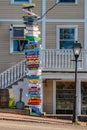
20, 1
67, 1
17, 41
84, 98
66, 36
64, 97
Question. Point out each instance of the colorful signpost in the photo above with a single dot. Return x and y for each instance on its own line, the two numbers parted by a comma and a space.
33, 60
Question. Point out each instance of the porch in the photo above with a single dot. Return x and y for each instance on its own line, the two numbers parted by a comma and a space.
62, 60
52, 60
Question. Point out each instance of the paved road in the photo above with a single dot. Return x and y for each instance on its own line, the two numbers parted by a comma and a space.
19, 125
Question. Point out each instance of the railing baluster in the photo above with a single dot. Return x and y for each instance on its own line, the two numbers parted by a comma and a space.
10, 76
4, 79
50, 58
56, 60
62, 63
13, 74
43, 59
23, 68
53, 59
7, 78
1, 81
16, 72
20, 70
46, 59
59, 59
68, 59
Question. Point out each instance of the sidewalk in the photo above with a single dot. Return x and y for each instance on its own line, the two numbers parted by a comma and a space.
17, 117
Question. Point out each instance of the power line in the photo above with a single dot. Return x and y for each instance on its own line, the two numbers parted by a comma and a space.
48, 11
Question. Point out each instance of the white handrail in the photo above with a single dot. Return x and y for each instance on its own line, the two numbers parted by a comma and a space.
13, 74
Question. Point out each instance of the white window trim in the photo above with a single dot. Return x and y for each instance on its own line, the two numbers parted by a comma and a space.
13, 2
65, 26
58, 1
11, 36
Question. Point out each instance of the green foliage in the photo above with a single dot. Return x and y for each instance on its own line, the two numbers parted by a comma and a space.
76, 123
11, 102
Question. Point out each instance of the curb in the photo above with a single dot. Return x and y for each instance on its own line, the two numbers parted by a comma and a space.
14, 117
23, 118
35, 121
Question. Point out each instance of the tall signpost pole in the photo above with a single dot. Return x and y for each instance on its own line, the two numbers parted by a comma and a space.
33, 58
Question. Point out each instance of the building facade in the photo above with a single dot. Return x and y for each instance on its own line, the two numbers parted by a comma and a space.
60, 27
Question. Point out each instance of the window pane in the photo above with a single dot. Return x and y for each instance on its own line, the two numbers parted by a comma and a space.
18, 45
66, 44
64, 97
15, 45
18, 32
72, 1
66, 33
21, 0
84, 97
67, 38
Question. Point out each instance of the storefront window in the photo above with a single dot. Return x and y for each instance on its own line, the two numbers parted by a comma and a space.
64, 97
84, 97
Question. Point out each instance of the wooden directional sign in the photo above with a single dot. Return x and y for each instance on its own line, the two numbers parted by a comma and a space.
32, 38
34, 101
34, 89
26, 5
32, 27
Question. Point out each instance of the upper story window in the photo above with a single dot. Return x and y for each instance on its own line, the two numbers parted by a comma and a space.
67, 1
66, 36
20, 1
17, 41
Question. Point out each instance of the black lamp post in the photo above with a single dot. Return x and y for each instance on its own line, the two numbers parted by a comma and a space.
76, 50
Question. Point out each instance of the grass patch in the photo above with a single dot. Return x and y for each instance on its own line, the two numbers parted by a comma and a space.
76, 123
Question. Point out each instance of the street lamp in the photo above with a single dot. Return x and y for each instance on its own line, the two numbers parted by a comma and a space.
76, 50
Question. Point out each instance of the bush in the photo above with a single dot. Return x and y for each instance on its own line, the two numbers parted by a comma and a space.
11, 102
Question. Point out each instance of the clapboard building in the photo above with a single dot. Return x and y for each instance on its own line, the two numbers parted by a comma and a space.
60, 27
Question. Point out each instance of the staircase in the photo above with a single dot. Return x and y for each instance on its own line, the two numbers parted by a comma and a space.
12, 75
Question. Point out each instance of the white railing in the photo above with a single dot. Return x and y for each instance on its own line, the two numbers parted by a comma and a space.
62, 59
52, 60
12, 75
